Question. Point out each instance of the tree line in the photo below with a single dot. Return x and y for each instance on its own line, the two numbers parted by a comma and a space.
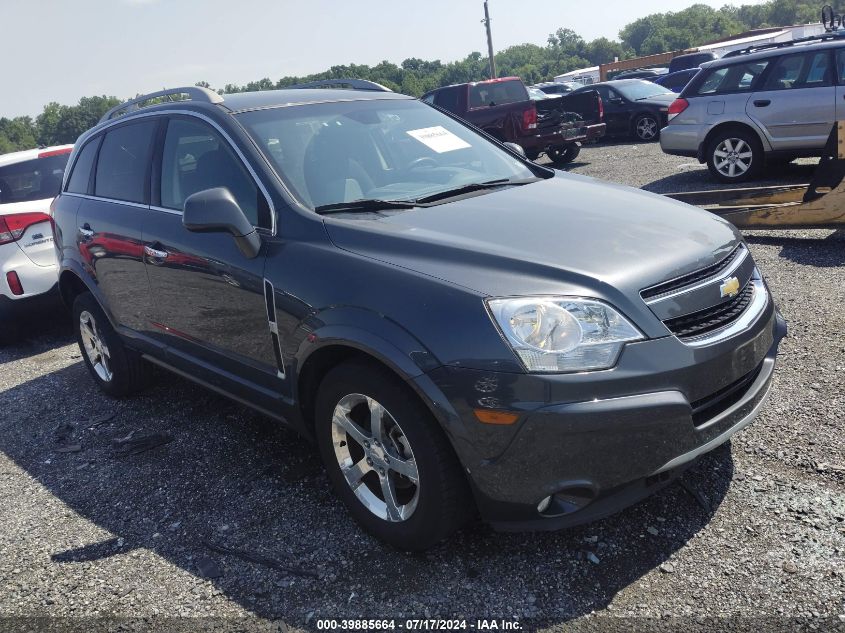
563, 51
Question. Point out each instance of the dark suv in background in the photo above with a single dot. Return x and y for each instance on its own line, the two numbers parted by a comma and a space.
458, 329
503, 109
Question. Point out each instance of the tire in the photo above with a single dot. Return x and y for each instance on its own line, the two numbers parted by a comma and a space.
424, 511
646, 128
565, 154
734, 155
117, 370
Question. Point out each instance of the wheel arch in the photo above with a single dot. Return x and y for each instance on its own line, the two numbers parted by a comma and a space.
722, 127
321, 359
71, 286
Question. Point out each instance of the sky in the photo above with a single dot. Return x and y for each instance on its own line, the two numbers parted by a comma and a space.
61, 50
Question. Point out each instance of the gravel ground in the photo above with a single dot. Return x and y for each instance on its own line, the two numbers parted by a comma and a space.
752, 538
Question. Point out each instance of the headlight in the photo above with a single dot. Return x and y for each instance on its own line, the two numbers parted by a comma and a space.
562, 334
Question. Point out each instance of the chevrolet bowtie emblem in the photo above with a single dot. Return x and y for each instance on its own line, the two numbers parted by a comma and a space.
729, 287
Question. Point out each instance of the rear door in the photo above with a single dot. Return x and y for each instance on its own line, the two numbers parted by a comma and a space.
796, 104
840, 84
209, 300
111, 216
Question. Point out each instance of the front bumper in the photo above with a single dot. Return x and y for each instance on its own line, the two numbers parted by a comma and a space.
599, 441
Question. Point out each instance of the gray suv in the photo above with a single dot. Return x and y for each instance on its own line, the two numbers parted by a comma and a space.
458, 329
740, 113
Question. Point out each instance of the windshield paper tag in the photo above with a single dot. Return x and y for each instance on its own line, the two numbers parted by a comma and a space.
439, 139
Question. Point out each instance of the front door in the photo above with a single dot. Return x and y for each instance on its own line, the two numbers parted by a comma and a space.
209, 305
616, 115
796, 105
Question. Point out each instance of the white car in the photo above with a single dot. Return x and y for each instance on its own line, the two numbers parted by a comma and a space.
29, 181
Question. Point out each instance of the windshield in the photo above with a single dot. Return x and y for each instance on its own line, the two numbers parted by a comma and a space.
35, 179
637, 90
390, 149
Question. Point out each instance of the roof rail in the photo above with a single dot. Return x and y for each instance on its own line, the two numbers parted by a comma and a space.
823, 37
348, 83
195, 93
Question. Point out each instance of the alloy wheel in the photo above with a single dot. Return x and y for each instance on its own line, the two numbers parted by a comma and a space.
375, 457
646, 128
732, 157
95, 347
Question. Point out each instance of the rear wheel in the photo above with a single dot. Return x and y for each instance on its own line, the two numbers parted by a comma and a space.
118, 370
388, 459
646, 127
565, 154
734, 155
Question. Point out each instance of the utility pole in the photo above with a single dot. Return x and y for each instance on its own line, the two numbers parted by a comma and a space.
486, 22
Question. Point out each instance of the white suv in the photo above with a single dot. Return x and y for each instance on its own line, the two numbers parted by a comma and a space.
29, 181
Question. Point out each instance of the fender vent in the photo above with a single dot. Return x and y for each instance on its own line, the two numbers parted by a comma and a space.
270, 301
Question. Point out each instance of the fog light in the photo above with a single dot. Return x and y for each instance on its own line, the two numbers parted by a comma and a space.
544, 505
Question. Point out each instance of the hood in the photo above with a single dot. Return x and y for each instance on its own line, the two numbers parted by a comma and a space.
565, 234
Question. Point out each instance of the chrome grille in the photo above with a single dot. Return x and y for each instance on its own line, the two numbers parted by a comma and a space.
715, 318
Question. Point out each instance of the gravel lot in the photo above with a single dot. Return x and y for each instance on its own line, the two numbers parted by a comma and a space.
753, 538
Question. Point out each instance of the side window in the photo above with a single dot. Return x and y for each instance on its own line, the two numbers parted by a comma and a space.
124, 158
196, 158
804, 70
428, 99
447, 99
736, 78
81, 174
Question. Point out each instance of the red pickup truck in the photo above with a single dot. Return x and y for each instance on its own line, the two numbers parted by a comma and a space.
503, 109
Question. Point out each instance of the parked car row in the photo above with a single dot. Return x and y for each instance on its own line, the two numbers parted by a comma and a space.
554, 125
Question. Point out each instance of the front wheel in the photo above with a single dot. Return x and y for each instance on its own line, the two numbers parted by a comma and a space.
734, 156
387, 458
647, 128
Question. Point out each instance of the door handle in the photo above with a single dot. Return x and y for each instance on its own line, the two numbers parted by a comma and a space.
85, 230
762, 103
155, 253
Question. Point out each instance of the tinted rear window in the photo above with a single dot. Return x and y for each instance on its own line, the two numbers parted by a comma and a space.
497, 93
737, 78
124, 158
36, 179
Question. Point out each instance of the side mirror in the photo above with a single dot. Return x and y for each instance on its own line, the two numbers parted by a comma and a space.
216, 210
515, 148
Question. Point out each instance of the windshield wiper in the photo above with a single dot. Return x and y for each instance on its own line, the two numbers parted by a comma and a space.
474, 186
364, 205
